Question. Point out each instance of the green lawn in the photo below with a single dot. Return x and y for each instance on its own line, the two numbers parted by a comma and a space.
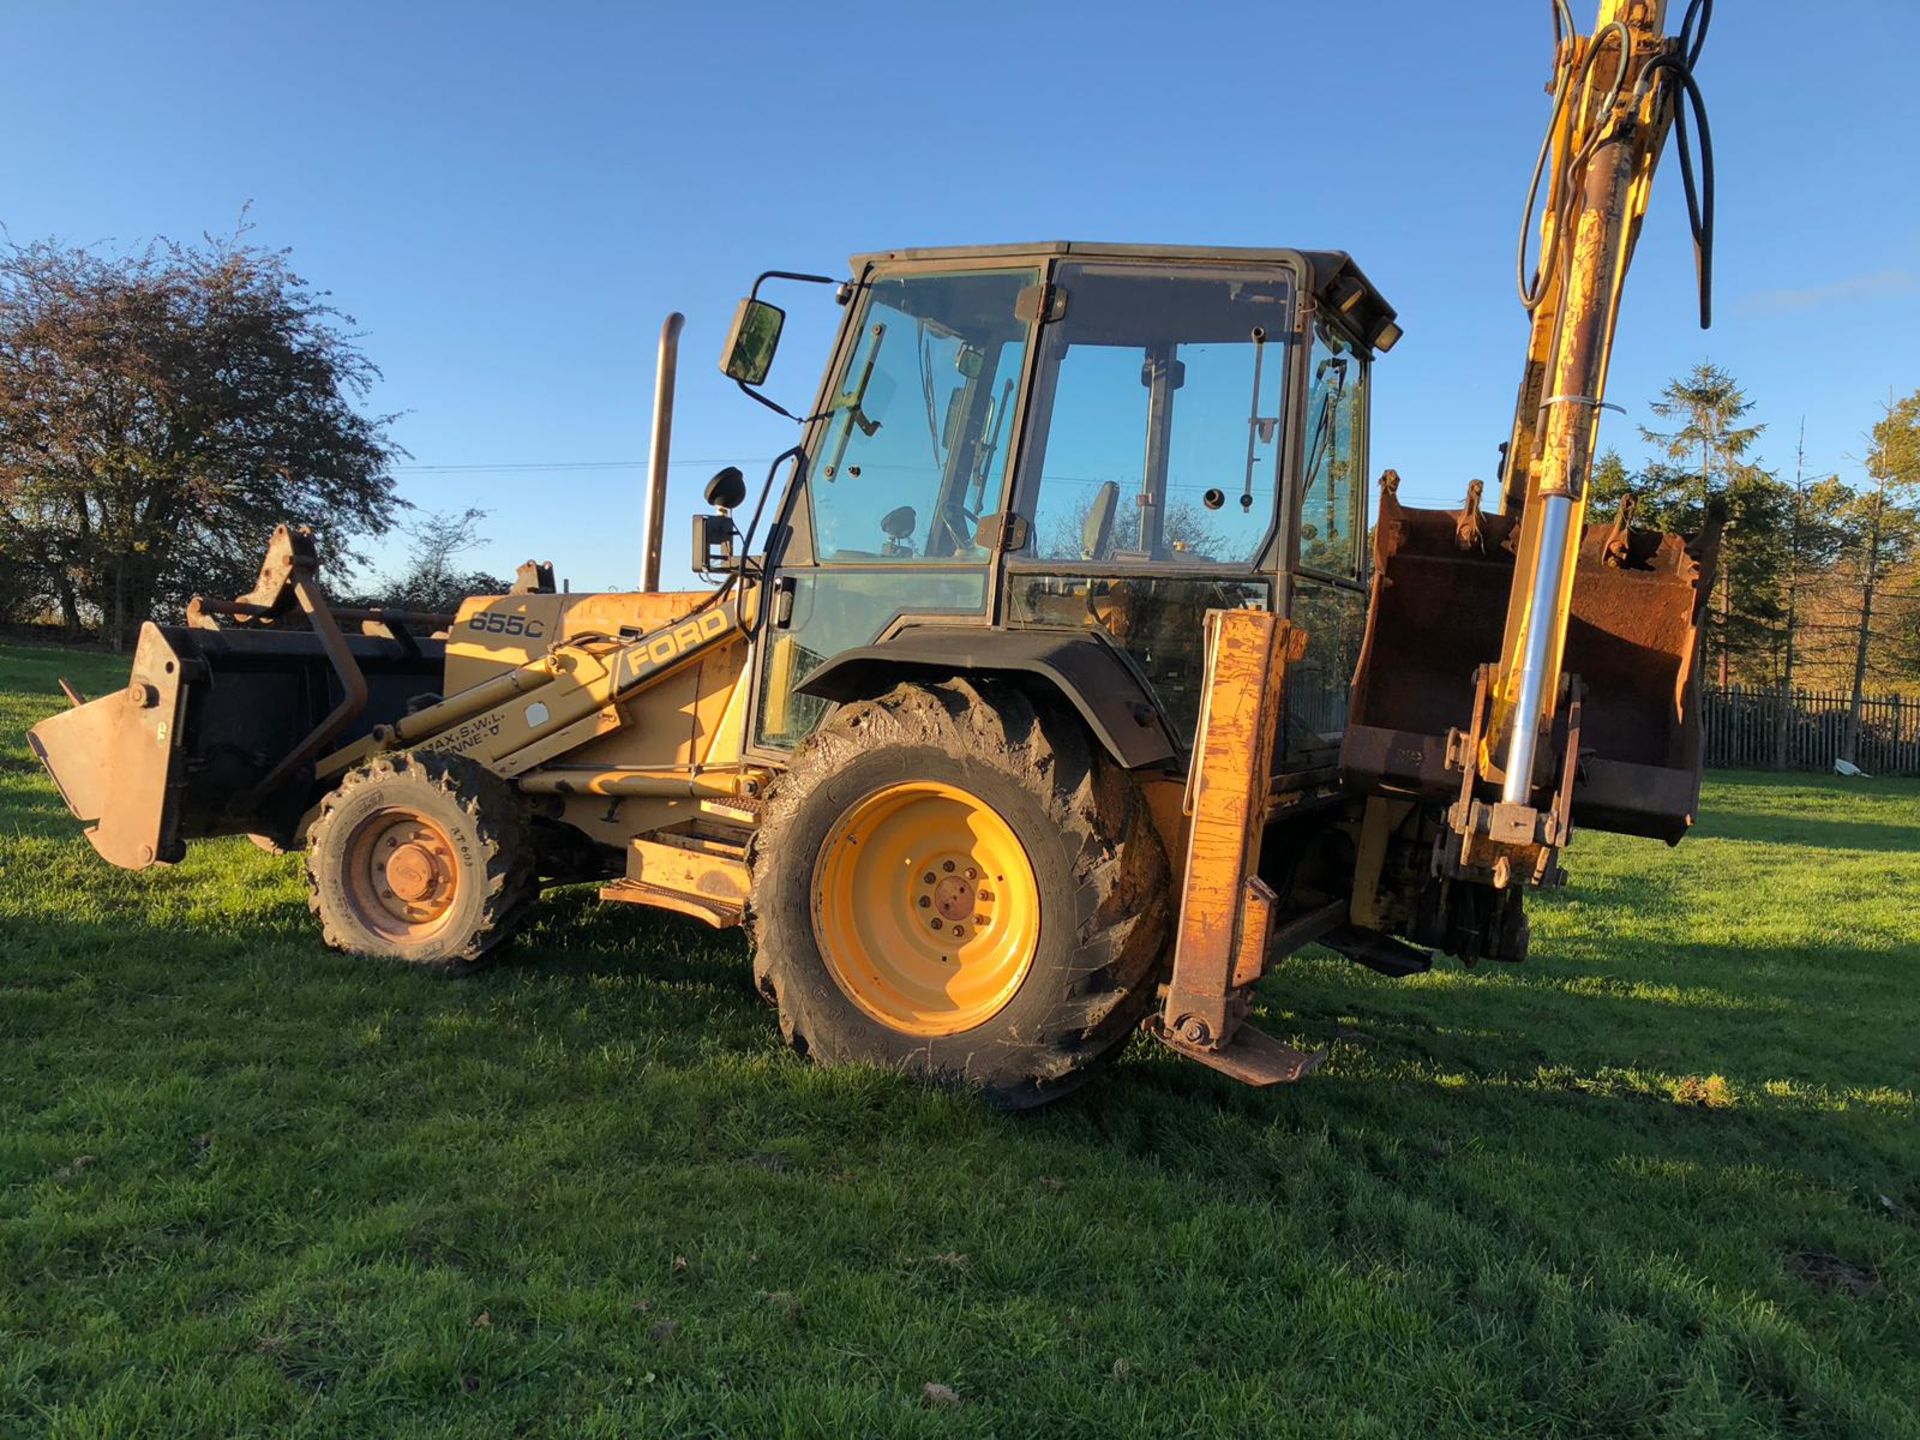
1663, 1180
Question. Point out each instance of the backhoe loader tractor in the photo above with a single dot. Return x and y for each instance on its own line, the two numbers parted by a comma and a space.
1058, 682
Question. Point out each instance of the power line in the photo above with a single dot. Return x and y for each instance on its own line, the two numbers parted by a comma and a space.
516, 466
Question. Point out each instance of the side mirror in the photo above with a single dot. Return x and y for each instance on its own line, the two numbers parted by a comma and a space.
751, 341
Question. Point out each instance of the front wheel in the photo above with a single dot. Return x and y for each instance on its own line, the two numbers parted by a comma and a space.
420, 857
952, 881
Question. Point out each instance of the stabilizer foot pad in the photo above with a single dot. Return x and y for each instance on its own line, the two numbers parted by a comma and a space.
1252, 1057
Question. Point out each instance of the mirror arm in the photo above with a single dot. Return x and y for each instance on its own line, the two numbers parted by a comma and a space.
766, 275
773, 405
797, 452
754, 294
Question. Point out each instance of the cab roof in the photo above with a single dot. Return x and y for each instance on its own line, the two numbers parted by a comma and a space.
1335, 280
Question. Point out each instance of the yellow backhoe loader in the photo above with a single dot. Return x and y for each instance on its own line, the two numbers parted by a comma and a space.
1062, 688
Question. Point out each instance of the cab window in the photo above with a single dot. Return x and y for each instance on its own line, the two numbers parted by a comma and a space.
1159, 417
1331, 515
913, 449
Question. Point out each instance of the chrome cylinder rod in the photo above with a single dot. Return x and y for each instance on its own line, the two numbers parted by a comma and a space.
1531, 708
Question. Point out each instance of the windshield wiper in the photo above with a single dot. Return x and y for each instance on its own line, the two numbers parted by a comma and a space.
851, 402
1260, 429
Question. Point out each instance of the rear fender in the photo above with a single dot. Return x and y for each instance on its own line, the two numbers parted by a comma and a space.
1082, 667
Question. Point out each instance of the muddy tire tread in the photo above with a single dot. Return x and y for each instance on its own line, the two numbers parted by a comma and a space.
1120, 896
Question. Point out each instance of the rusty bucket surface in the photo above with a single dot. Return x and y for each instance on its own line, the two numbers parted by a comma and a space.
1440, 593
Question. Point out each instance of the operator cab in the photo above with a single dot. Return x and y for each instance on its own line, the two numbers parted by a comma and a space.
1097, 442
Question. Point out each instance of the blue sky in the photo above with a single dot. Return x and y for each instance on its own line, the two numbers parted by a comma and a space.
510, 198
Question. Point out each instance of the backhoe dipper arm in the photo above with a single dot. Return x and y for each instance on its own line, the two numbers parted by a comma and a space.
1615, 96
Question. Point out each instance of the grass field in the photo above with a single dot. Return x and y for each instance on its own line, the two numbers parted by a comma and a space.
1664, 1180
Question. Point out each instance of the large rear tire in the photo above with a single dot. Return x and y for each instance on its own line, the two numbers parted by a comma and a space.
423, 858
953, 882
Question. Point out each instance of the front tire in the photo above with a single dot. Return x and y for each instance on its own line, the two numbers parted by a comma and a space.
953, 882
420, 857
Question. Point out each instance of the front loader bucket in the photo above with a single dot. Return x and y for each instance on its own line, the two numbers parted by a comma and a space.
1440, 593
206, 717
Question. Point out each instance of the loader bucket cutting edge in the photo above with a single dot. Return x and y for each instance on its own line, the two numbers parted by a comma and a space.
1438, 611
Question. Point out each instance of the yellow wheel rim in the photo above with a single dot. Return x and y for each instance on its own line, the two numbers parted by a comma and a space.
925, 908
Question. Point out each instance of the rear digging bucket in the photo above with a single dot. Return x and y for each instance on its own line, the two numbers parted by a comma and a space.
1440, 591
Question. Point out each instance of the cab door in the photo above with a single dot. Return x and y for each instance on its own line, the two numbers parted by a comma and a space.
1330, 552
1155, 460
906, 468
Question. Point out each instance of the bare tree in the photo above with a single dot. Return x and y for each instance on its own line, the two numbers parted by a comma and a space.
1884, 533
432, 581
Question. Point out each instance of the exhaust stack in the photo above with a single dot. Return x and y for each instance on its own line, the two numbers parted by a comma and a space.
657, 452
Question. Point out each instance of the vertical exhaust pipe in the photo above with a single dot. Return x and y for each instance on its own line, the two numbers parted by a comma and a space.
657, 452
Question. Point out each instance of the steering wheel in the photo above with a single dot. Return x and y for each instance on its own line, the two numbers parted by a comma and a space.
963, 539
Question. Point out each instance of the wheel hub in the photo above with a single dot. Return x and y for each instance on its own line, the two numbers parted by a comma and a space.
953, 897
411, 872
402, 874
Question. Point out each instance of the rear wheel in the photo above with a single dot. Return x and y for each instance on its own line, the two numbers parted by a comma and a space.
953, 882
423, 858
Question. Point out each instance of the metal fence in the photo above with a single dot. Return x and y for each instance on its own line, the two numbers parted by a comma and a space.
1743, 731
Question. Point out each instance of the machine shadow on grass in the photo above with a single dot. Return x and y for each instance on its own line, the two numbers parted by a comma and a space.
572, 931
1470, 1058
1402, 1093
1819, 834
1568, 1039
1506, 1028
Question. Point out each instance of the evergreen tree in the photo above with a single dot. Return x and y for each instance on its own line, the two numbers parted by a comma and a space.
1703, 460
